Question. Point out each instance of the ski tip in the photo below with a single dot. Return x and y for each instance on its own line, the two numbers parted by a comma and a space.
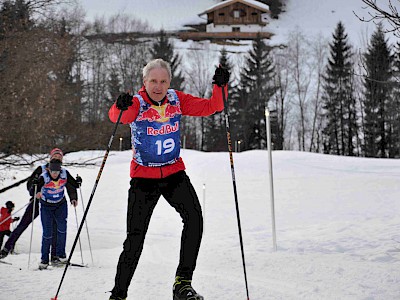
55, 298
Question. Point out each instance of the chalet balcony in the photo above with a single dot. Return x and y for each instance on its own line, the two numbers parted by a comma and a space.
198, 36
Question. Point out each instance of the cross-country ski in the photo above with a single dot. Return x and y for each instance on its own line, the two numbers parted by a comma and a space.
5, 262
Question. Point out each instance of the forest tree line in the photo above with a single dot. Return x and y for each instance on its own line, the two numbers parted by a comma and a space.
58, 78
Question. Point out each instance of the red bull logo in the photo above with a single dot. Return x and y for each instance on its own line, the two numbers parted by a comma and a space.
165, 129
149, 115
160, 113
56, 185
172, 110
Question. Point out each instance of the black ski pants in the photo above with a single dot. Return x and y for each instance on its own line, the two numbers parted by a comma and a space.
143, 197
2, 234
25, 221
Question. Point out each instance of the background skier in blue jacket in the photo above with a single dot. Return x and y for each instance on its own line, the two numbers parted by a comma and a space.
53, 207
26, 219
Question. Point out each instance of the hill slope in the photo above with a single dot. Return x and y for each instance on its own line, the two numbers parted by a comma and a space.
338, 231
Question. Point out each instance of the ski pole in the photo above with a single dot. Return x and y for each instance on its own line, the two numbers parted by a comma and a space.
228, 135
90, 202
87, 229
33, 219
12, 215
77, 226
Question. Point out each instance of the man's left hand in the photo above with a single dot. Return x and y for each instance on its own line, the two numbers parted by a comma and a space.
221, 76
74, 203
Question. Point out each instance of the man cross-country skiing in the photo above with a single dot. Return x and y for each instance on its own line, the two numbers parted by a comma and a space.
157, 169
26, 219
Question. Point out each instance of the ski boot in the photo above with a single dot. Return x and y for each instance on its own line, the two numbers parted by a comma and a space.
3, 253
117, 294
43, 265
183, 290
116, 298
58, 261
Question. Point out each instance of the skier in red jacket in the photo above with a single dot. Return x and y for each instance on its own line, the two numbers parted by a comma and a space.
6, 220
157, 169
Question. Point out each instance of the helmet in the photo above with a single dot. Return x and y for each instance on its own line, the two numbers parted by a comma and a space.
56, 151
10, 205
55, 165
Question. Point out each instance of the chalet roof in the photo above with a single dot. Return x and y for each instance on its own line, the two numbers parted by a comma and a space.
256, 4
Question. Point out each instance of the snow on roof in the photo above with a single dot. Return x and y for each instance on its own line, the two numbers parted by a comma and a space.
253, 3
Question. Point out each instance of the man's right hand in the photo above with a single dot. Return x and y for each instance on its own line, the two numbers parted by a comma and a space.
35, 180
124, 101
78, 180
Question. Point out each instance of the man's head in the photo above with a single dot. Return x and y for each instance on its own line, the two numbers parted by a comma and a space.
55, 167
157, 78
56, 153
10, 206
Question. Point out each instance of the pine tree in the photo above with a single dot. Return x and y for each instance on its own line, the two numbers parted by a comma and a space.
378, 62
339, 102
165, 50
14, 16
114, 85
275, 6
254, 91
394, 109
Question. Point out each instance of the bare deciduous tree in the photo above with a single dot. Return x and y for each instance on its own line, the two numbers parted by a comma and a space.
320, 53
301, 72
199, 70
280, 98
380, 13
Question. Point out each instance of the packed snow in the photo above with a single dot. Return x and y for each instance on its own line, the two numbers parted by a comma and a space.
337, 228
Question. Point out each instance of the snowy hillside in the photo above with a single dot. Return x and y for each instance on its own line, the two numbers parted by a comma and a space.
312, 17
169, 15
319, 18
337, 218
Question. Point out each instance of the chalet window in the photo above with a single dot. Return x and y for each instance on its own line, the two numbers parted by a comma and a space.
238, 13
221, 14
254, 14
235, 29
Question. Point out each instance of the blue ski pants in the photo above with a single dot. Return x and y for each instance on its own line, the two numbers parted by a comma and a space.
49, 214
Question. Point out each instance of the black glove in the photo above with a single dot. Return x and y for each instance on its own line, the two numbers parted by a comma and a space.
35, 180
124, 101
16, 218
221, 76
78, 180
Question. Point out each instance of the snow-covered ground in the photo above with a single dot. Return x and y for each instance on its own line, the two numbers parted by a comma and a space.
337, 220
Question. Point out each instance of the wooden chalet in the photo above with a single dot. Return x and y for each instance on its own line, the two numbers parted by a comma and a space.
232, 19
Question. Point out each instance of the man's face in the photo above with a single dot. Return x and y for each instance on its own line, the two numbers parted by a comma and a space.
54, 174
157, 83
57, 156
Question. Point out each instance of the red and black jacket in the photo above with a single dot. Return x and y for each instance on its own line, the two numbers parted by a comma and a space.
189, 105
